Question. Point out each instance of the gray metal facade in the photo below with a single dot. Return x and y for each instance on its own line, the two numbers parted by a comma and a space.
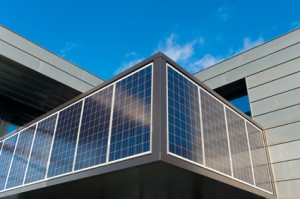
32, 80
272, 73
148, 114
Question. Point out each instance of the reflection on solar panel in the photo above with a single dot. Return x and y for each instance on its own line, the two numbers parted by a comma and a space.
19, 164
130, 133
6, 158
259, 159
215, 137
226, 142
62, 155
1, 144
93, 137
184, 117
239, 147
39, 156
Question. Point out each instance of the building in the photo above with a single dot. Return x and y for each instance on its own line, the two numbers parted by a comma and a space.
155, 131
269, 76
32, 80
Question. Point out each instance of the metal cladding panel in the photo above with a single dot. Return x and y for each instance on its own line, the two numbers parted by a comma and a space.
184, 118
240, 154
131, 125
216, 146
40, 152
93, 137
19, 164
259, 159
6, 158
63, 150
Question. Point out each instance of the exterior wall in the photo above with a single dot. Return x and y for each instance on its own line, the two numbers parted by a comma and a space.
25, 52
272, 73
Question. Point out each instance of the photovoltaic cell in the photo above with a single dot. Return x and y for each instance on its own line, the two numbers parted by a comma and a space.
131, 125
215, 135
259, 158
6, 158
19, 164
39, 156
62, 155
240, 154
93, 138
184, 117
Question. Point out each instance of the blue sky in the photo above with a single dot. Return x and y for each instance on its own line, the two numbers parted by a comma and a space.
106, 37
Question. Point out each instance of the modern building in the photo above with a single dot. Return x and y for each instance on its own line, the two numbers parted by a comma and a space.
153, 131
267, 78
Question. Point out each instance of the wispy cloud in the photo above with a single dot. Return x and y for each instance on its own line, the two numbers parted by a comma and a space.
127, 65
176, 51
204, 62
295, 24
248, 44
224, 13
67, 48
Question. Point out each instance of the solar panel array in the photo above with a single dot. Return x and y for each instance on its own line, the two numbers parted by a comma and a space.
109, 125
205, 131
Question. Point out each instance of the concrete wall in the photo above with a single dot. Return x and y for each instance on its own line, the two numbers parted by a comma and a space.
272, 72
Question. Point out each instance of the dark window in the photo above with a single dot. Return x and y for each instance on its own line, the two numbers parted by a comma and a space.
236, 94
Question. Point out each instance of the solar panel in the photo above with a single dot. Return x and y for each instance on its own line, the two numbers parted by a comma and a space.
259, 158
93, 138
130, 134
39, 155
19, 164
184, 117
215, 135
62, 155
241, 162
6, 158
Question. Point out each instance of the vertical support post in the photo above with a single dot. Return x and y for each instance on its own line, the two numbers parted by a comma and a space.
159, 114
229, 148
110, 122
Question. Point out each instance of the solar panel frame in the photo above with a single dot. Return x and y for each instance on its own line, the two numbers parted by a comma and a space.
113, 136
22, 150
6, 163
62, 156
36, 170
96, 124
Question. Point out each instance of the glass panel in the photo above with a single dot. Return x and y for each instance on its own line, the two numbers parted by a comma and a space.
240, 154
62, 155
184, 117
6, 158
215, 135
92, 144
259, 159
19, 164
41, 150
132, 115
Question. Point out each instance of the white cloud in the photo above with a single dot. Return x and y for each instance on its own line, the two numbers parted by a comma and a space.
127, 65
223, 13
248, 44
178, 52
68, 47
205, 62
